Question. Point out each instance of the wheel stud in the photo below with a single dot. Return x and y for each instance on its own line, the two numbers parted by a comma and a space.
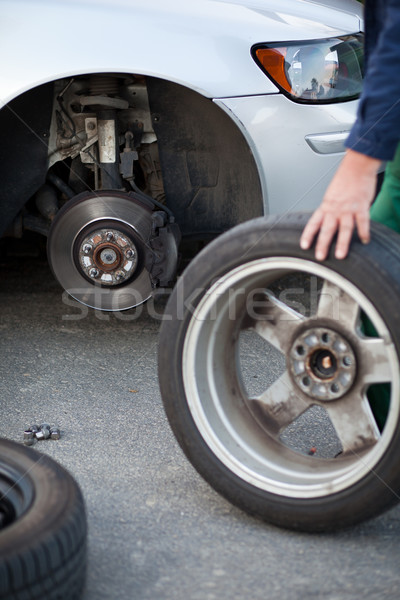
87, 248
119, 275
93, 273
109, 236
129, 253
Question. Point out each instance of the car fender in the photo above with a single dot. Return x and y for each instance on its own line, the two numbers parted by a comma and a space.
202, 45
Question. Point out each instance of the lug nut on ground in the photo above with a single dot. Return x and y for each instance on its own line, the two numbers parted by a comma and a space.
55, 433
29, 438
42, 432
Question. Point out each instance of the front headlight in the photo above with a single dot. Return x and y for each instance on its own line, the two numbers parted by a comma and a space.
328, 70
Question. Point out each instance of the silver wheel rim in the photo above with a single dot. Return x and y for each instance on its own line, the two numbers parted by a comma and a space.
228, 420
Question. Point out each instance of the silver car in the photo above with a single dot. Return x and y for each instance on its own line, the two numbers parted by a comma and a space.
129, 127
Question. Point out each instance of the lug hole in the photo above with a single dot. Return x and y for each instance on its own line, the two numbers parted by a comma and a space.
325, 338
334, 388
347, 362
300, 350
306, 381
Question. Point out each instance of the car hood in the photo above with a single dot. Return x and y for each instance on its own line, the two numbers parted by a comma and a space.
284, 19
300, 16
315, 17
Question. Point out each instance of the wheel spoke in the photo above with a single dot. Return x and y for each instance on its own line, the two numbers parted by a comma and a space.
279, 405
354, 423
276, 322
374, 361
334, 303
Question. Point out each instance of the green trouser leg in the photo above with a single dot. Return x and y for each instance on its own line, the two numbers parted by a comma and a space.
386, 210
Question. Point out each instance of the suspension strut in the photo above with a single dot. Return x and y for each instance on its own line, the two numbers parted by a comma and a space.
108, 149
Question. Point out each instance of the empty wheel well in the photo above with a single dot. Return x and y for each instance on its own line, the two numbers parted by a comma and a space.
190, 155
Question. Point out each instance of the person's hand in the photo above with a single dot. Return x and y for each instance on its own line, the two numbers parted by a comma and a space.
345, 205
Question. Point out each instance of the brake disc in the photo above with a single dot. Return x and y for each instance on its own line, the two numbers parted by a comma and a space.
98, 249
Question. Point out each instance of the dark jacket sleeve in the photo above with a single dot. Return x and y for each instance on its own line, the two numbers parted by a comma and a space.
376, 131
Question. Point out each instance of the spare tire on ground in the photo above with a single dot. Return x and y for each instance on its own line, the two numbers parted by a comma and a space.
280, 375
42, 527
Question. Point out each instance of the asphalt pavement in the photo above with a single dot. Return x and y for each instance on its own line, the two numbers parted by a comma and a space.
157, 531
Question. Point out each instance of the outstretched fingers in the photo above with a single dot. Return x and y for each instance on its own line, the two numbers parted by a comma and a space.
345, 205
326, 225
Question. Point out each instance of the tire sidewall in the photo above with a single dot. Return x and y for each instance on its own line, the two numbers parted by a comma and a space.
54, 493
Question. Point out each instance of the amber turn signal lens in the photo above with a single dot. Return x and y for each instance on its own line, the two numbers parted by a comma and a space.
273, 61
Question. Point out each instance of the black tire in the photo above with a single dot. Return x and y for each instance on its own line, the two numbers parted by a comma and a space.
43, 527
373, 271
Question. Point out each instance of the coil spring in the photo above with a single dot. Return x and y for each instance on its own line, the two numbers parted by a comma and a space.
103, 85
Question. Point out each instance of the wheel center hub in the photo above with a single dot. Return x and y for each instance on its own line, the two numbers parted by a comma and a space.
322, 363
107, 256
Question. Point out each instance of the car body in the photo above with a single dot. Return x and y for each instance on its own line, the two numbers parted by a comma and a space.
177, 95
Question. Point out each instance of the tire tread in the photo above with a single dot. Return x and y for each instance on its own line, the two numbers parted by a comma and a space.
54, 565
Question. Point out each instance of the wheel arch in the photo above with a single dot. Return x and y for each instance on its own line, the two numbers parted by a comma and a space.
210, 174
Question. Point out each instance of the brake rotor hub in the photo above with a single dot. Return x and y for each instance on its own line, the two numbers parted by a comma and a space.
322, 363
107, 256
110, 249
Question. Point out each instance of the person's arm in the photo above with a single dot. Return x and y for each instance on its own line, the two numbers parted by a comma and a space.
345, 205
376, 131
374, 138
